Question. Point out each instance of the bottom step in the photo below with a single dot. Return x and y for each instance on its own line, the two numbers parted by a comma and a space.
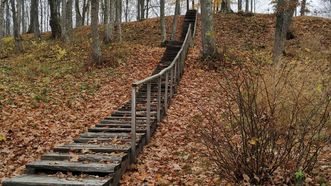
52, 180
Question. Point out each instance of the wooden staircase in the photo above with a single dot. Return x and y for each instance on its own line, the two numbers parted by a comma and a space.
101, 155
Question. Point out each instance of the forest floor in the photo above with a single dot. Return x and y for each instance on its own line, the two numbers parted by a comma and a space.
173, 157
48, 95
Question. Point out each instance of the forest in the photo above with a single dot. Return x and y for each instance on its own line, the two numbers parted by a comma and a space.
165, 92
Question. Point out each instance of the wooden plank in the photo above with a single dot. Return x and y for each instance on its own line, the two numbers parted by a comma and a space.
107, 129
104, 140
67, 166
81, 147
52, 180
103, 135
101, 157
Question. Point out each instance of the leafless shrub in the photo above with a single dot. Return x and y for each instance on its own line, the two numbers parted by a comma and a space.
272, 120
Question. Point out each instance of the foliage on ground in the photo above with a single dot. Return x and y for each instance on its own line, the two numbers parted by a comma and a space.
174, 156
49, 95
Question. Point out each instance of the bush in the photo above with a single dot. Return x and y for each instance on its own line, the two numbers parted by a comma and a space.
271, 126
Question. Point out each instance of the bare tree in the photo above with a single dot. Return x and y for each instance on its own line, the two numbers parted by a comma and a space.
175, 20
163, 26
240, 4
106, 23
69, 25
79, 18
2, 8
16, 28
96, 50
34, 19
303, 7
284, 14
54, 20
208, 41
118, 21
8, 22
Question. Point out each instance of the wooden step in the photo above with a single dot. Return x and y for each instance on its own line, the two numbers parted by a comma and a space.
81, 147
53, 180
106, 135
100, 157
68, 166
107, 129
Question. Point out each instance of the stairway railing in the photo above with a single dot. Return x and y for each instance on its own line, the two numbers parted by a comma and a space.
170, 76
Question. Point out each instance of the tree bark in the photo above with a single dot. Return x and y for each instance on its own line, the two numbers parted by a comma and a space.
303, 7
23, 17
112, 19
96, 50
208, 41
175, 20
54, 20
2, 25
69, 18
284, 14
79, 19
118, 21
16, 28
163, 26
65, 36
106, 22
34, 19
247, 6
240, 4
142, 9
8, 22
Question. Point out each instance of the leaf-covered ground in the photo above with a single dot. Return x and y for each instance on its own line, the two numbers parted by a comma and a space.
173, 157
49, 94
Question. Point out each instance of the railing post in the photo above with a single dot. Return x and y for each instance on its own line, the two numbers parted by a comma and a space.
171, 82
159, 100
166, 92
133, 124
148, 114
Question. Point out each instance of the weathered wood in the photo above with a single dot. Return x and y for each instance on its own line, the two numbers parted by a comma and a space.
102, 157
67, 166
48, 180
81, 147
107, 129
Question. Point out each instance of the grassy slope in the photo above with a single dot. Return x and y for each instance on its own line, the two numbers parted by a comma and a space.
48, 95
173, 157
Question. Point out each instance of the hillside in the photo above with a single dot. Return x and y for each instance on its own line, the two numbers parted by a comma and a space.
174, 155
50, 93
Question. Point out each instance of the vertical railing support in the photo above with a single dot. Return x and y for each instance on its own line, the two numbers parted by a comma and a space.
159, 100
133, 124
166, 92
148, 114
171, 82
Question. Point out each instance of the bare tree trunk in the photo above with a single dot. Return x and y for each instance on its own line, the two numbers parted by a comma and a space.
147, 9
16, 28
118, 21
303, 7
126, 10
107, 25
142, 9
8, 22
65, 36
112, 19
163, 26
23, 17
284, 14
41, 16
54, 21
79, 19
34, 19
96, 50
19, 14
187, 5
240, 4
2, 25
246, 5
208, 40
175, 20
69, 18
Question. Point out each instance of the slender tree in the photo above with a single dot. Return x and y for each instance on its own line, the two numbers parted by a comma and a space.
163, 26
23, 17
65, 36
208, 41
8, 22
240, 4
34, 19
303, 7
79, 18
284, 14
69, 25
2, 25
175, 20
16, 28
118, 21
106, 22
112, 19
96, 50
246, 5
54, 19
